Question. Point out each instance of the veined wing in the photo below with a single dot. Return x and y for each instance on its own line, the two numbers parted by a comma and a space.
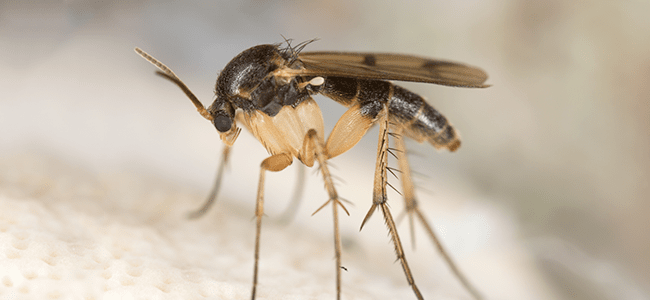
387, 66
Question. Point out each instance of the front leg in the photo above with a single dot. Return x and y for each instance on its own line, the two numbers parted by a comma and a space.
215, 188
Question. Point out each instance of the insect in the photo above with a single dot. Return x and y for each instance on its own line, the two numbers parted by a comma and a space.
268, 89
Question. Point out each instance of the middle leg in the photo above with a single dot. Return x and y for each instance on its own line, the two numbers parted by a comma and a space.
320, 154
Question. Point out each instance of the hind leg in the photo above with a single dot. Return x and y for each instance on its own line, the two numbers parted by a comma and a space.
412, 209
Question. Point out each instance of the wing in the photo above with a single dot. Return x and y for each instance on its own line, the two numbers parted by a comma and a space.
386, 66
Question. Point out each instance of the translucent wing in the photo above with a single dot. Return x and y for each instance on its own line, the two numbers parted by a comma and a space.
386, 66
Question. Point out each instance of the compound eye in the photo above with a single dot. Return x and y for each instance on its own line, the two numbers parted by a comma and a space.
222, 122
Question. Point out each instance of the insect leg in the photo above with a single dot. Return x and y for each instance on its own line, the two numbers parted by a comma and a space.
412, 208
313, 147
368, 101
380, 199
273, 163
212, 197
215, 189
365, 99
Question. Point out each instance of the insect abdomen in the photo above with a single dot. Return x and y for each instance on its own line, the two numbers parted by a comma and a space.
406, 110
420, 121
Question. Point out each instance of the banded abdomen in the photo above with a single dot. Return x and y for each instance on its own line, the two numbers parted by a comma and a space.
407, 110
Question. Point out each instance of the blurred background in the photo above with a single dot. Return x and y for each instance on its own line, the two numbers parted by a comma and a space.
559, 146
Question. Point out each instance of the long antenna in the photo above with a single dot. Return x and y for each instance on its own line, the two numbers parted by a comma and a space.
170, 75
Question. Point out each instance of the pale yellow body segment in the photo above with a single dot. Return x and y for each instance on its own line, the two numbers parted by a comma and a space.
286, 131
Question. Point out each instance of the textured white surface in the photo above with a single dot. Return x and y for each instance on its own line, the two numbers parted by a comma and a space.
66, 233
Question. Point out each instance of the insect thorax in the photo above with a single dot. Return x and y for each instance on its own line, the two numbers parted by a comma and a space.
248, 81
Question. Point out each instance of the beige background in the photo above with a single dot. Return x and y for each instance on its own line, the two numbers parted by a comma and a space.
554, 167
